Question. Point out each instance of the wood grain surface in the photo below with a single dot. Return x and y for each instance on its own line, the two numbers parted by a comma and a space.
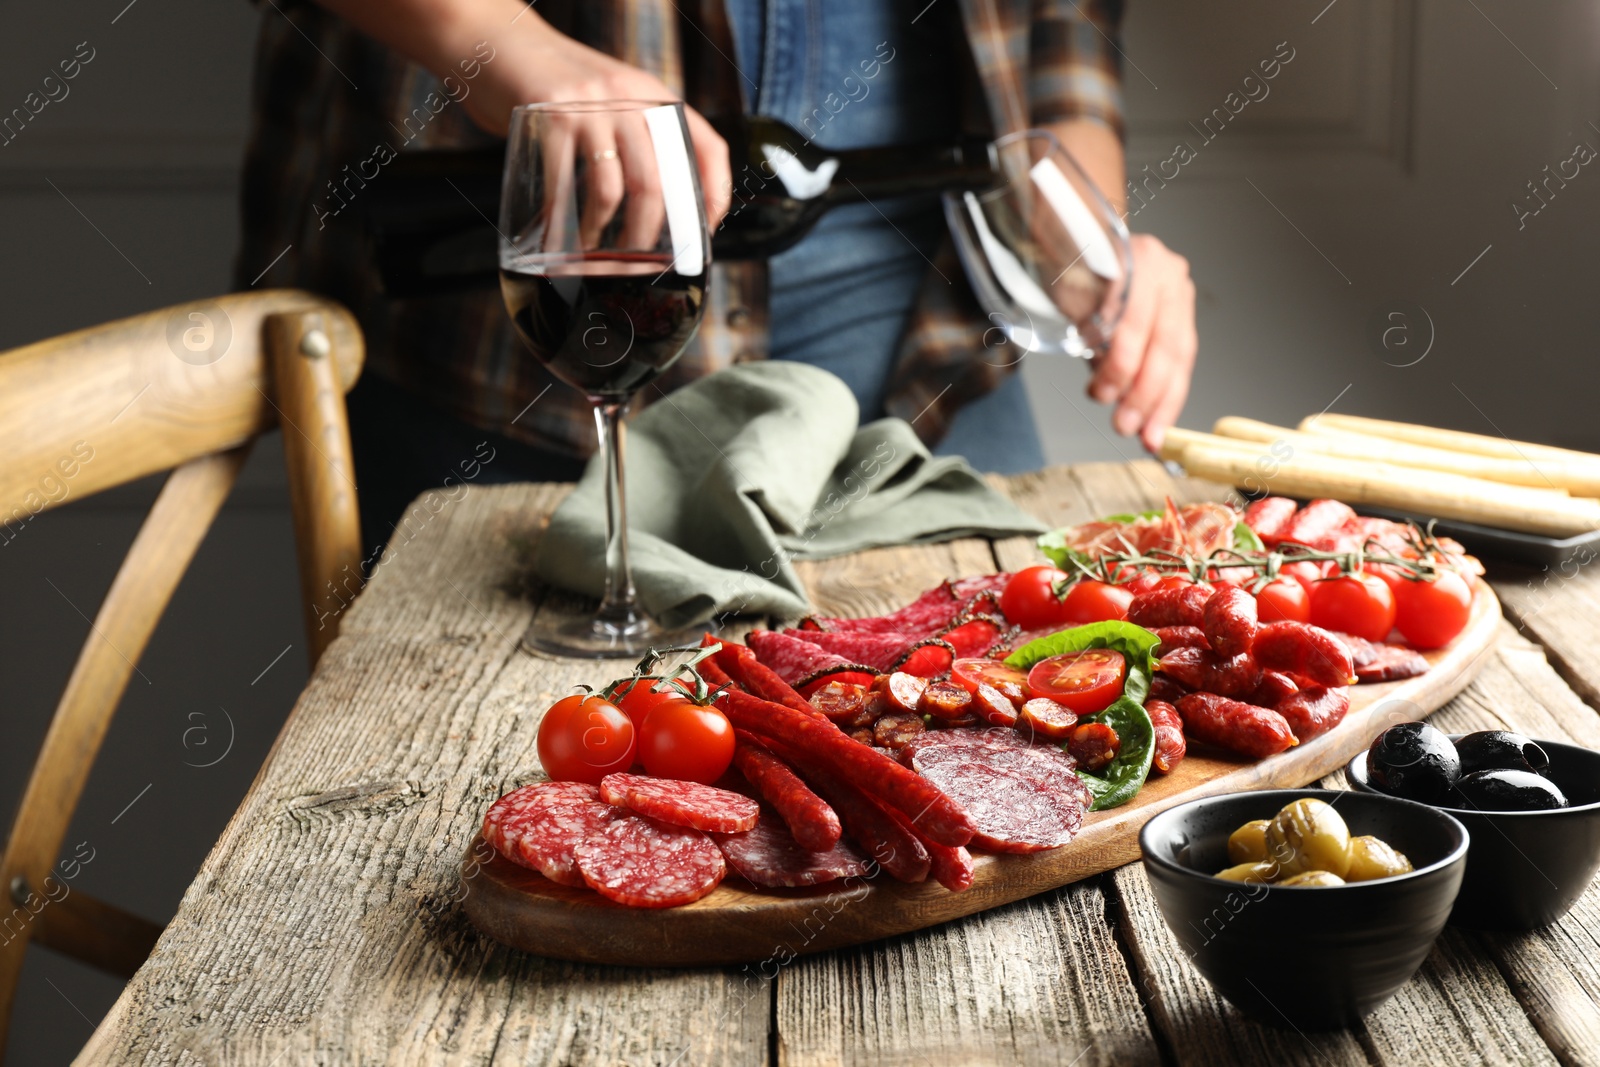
326, 926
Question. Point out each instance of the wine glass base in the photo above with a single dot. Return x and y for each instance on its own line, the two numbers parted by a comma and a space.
626, 636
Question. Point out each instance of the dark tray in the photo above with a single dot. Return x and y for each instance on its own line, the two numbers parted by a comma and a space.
1489, 542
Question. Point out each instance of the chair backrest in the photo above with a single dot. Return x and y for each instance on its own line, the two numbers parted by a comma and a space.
185, 389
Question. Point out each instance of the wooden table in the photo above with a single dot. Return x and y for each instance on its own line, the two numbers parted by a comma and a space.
324, 927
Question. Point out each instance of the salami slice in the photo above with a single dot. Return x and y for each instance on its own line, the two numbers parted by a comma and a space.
929, 613
967, 590
793, 659
1094, 745
944, 700
973, 637
1362, 651
540, 826
1390, 663
881, 651
840, 701
993, 737
699, 807
1030, 796
897, 731
861, 676
770, 856
1011, 809
993, 706
646, 864
1045, 764
928, 659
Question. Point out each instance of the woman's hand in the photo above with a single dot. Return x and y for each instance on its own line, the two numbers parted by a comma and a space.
1147, 368
536, 64
533, 63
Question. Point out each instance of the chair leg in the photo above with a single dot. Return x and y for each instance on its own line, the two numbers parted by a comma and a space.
160, 555
322, 489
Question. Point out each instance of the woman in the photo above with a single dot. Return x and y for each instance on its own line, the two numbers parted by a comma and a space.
874, 293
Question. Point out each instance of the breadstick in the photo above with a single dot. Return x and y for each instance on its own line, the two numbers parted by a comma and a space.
1560, 474
1455, 440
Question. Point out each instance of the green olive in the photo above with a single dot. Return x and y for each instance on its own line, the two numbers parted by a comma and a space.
1261, 872
1308, 835
1314, 879
1371, 858
1248, 844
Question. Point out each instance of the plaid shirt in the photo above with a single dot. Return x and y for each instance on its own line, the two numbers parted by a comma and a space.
329, 103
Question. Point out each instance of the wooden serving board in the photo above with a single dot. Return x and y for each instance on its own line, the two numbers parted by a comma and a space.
738, 923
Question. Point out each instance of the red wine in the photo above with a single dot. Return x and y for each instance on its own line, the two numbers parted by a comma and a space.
606, 323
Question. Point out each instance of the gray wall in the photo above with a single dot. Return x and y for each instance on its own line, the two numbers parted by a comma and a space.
1392, 146
146, 145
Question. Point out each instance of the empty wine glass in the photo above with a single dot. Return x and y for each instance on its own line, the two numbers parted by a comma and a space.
1044, 250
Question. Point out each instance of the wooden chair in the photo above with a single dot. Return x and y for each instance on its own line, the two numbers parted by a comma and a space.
186, 389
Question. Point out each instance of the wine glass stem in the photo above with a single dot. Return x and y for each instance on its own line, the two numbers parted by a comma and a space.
619, 605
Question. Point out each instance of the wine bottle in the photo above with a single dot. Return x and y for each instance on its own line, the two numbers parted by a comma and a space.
782, 183
430, 212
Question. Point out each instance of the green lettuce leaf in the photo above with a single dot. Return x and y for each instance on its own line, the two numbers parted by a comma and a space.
1245, 539
1127, 773
1054, 547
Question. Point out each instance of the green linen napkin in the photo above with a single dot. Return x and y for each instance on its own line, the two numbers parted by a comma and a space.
732, 477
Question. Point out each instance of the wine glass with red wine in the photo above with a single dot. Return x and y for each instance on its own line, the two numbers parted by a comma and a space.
604, 251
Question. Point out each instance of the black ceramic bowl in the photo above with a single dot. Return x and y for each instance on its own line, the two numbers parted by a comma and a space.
1526, 868
1304, 957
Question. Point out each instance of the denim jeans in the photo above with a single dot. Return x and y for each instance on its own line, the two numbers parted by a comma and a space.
853, 74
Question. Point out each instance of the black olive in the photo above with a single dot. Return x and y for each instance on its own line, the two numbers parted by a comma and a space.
1490, 750
1502, 790
1414, 761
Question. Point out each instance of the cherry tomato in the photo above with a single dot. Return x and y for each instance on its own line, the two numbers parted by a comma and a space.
1029, 599
683, 740
638, 699
1359, 604
1393, 577
1283, 600
1085, 682
1143, 582
1176, 581
583, 738
1305, 572
971, 673
1092, 601
1430, 614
